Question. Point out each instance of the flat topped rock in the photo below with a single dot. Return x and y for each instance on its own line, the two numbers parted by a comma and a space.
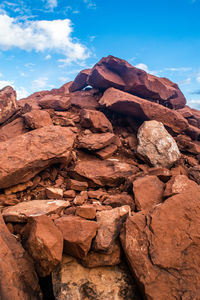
22, 211
96, 141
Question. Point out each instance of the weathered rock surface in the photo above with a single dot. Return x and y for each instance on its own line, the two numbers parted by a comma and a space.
54, 193
194, 174
95, 120
77, 233
73, 281
85, 99
26, 155
114, 72
44, 243
156, 145
107, 172
22, 211
180, 184
148, 192
118, 200
56, 102
8, 103
80, 81
12, 129
163, 248
18, 278
96, 141
109, 223
37, 119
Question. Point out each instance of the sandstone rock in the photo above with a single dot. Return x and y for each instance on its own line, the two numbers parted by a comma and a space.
96, 141
8, 200
180, 184
185, 144
44, 243
26, 155
114, 72
73, 281
162, 248
18, 188
87, 211
12, 129
110, 172
77, 233
69, 194
77, 185
8, 103
54, 193
81, 198
18, 278
156, 145
85, 99
95, 259
110, 223
80, 81
37, 119
194, 174
22, 211
130, 105
106, 152
162, 173
95, 120
56, 102
118, 200
148, 191
64, 89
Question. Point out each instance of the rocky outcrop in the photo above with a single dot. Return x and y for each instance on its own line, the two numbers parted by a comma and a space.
8, 103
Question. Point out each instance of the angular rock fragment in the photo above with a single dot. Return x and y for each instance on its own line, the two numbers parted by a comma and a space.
18, 278
56, 102
106, 152
26, 155
95, 120
148, 192
80, 81
87, 211
77, 185
194, 174
37, 119
110, 223
180, 184
156, 145
96, 141
22, 211
8, 103
85, 99
77, 233
12, 129
119, 200
44, 243
162, 248
54, 193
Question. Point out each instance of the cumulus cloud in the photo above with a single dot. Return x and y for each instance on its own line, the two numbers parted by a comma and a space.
47, 57
90, 4
145, 68
4, 83
39, 83
22, 93
39, 36
51, 4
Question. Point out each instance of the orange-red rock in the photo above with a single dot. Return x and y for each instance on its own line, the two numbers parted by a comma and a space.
80, 81
37, 119
85, 99
26, 155
77, 233
12, 129
8, 103
44, 242
96, 141
148, 191
180, 184
118, 200
56, 102
87, 211
54, 193
194, 174
95, 120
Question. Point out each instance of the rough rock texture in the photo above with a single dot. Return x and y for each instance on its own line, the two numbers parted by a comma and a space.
44, 244
73, 281
26, 155
96, 141
109, 223
56, 102
85, 99
108, 172
148, 192
77, 233
37, 119
163, 248
18, 278
80, 81
8, 103
156, 145
22, 211
12, 129
130, 105
96, 121
114, 72
180, 184
194, 174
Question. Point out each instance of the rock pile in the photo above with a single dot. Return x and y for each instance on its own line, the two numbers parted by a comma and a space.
99, 189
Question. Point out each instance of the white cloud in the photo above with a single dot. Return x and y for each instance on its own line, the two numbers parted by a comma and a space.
4, 83
51, 4
39, 83
198, 78
178, 69
90, 4
47, 57
186, 81
39, 36
22, 93
63, 79
145, 68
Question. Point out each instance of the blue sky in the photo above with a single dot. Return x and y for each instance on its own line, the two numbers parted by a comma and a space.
44, 43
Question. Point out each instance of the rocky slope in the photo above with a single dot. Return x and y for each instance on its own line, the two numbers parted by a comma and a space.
99, 189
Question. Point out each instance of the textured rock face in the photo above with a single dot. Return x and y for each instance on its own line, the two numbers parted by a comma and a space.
37, 119
44, 244
8, 104
163, 248
180, 184
156, 145
18, 278
148, 192
96, 121
77, 233
22, 211
96, 141
194, 174
73, 281
130, 105
114, 72
12, 129
80, 81
26, 155
107, 172
86, 99
56, 102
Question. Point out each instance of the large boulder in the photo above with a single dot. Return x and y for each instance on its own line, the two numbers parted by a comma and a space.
156, 145
114, 72
95, 120
80, 81
162, 248
37, 119
8, 103
18, 278
12, 129
26, 155
56, 102
139, 108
